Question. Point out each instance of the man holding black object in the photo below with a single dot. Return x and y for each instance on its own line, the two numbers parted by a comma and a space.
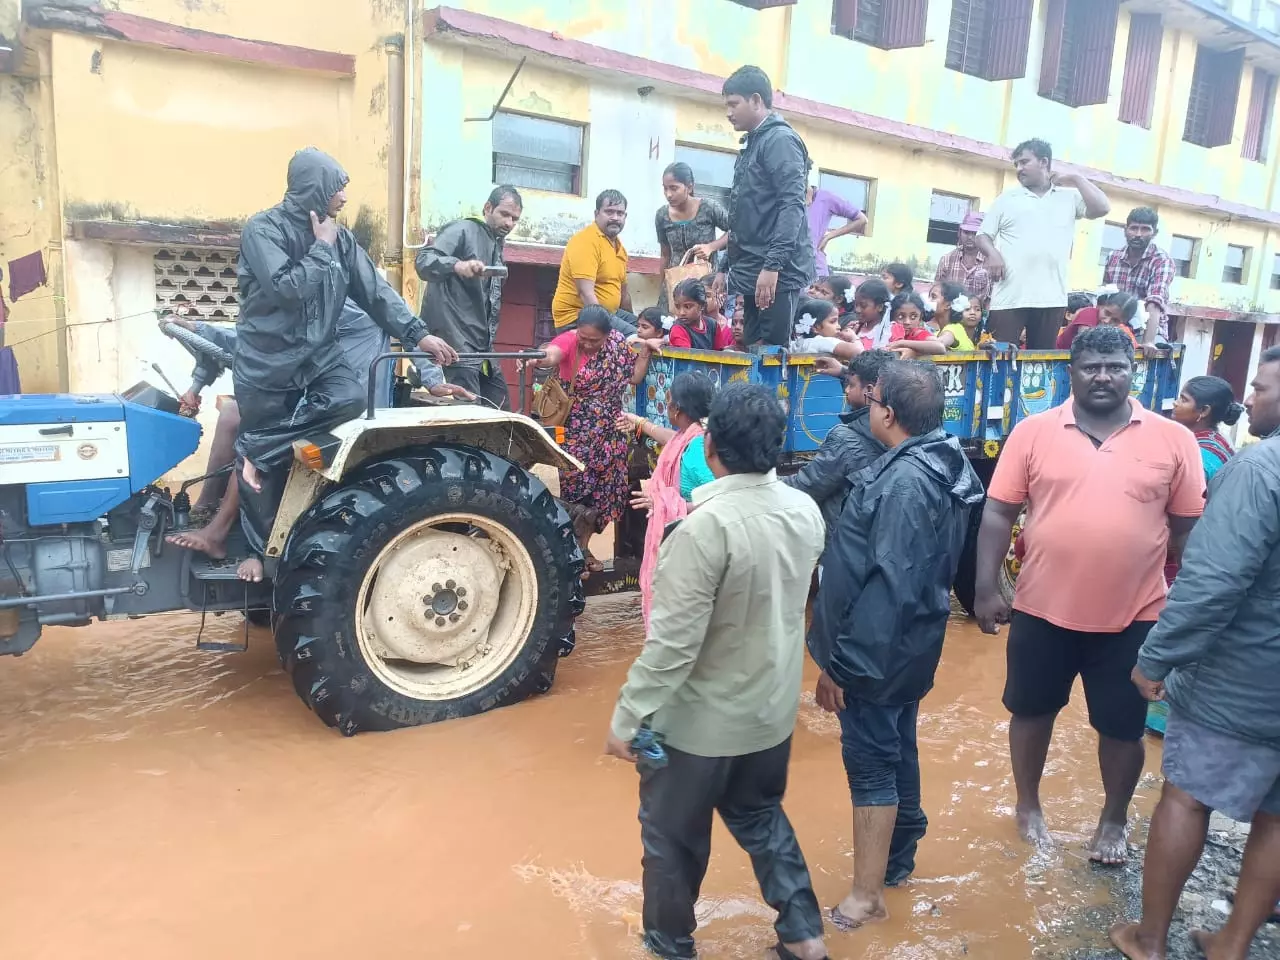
717, 685
464, 271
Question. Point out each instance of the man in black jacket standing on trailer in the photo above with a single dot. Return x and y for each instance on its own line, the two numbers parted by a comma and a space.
880, 618
769, 261
464, 271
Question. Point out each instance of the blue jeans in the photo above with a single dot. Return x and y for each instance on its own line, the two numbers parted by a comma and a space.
878, 744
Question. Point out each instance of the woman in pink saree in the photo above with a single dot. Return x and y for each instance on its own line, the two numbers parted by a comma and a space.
681, 468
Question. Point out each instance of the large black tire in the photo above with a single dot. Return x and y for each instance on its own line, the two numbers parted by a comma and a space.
336, 542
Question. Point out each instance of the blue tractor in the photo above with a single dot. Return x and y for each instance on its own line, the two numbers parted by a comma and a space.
418, 568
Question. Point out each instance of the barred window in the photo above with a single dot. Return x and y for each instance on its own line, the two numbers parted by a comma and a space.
202, 280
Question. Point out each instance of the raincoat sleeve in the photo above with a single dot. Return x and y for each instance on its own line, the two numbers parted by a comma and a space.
437, 259
824, 475
1219, 566
690, 566
318, 270
389, 311
784, 160
208, 368
902, 546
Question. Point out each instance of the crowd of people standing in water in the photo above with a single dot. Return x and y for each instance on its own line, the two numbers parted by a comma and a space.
1114, 497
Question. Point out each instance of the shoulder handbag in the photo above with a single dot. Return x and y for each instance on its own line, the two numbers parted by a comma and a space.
551, 401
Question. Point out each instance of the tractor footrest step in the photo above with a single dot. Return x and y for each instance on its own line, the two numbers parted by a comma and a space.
207, 568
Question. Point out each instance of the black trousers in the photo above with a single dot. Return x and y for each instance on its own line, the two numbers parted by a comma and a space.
270, 422
676, 807
488, 383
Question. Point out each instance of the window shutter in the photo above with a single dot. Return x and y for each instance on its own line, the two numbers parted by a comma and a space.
1141, 69
904, 24
1095, 45
1257, 124
1228, 68
844, 17
1009, 26
869, 21
1054, 34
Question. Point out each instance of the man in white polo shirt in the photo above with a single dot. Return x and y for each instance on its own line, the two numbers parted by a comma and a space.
1026, 238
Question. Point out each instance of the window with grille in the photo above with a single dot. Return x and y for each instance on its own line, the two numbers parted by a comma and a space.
1215, 88
1236, 268
1079, 39
1141, 69
1182, 250
857, 190
712, 171
889, 24
946, 212
1257, 124
537, 153
989, 38
1113, 239
202, 281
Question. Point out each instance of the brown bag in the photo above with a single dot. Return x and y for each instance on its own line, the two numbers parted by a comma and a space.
551, 401
695, 270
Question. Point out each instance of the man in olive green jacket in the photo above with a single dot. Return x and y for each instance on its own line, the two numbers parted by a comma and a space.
719, 680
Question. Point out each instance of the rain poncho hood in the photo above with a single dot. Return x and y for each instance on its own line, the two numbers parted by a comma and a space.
314, 179
881, 613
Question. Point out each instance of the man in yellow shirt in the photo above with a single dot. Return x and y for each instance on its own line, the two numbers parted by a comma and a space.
594, 267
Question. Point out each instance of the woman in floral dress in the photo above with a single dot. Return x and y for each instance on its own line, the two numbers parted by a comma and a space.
594, 366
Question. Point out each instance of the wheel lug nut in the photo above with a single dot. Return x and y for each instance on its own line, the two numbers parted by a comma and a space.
462, 604
454, 618
426, 599
449, 584
439, 621
436, 588
462, 591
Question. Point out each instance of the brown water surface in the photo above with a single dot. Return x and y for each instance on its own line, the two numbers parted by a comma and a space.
161, 802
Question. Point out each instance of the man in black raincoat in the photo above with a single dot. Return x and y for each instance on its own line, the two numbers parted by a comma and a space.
769, 260
880, 618
292, 378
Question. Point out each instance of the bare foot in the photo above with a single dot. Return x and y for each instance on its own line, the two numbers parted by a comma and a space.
857, 909
1129, 939
200, 541
806, 950
1205, 942
251, 476
1033, 829
250, 570
1109, 846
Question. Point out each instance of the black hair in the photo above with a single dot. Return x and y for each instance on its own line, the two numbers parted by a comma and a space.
1101, 339
839, 287
1145, 215
594, 315
868, 365
747, 81
1078, 301
746, 425
500, 193
1126, 303
875, 290
651, 316
610, 198
680, 172
912, 389
900, 272
817, 308
692, 392
1270, 355
913, 298
1216, 394
1038, 148
691, 288
950, 292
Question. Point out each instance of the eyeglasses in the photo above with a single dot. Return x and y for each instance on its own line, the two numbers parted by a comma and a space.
872, 398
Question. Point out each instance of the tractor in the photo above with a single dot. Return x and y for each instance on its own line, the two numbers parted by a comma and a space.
417, 569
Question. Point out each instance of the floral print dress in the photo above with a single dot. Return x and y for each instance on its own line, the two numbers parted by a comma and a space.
592, 435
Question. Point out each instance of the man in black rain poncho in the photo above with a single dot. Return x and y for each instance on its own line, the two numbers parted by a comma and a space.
292, 377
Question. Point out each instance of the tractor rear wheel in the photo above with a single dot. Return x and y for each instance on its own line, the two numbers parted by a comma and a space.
438, 583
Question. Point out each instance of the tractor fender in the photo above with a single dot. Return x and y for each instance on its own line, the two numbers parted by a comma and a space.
510, 435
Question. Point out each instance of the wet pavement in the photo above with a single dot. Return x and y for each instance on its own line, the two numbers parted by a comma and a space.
163, 802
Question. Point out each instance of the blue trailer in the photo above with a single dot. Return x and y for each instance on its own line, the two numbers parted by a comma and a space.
987, 392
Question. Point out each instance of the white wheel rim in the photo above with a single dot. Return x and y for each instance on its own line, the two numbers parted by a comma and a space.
441, 613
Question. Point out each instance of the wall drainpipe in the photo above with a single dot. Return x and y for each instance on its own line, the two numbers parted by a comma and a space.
393, 259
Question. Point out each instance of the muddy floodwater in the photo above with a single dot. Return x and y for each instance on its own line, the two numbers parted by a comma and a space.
161, 802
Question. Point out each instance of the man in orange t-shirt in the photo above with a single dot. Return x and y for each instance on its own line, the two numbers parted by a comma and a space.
1111, 491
